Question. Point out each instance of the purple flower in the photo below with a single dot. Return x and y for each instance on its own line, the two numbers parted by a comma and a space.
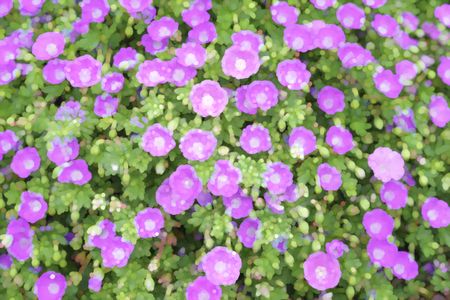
95, 283
225, 179
157, 140
135, 6
385, 25
202, 4
284, 14
6, 260
153, 72
329, 177
255, 139
94, 11
409, 20
239, 63
273, 202
405, 41
8, 141
203, 34
439, 111
331, 100
407, 71
7, 73
394, 194
63, 150
116, 253
171, 202
83, 71
194, 16
249, 232
336, 248
302, 142
76, 172
202, 288
50, 286
388, 83
152, 46
8, 51
404, 119
386, 164
48, 45
436, 212
208, 98
239, 205
280, 244
30, 7
107, 231
21, 247
191, 55
247, 40
149, 222
243, 104
382, 252
262, 94
431, 30
340, 139
125, 59
113, 82
5, 7
277, 177
405, 267
330, 37
53, 72
222, 266
299, 38
351, 16
442, 13
292, 73
162, 29
291, 194
70, 110
354, 55
374, 3
378, 224
32, 207
443, 70
198, 144
180, 75
105, 105
204, 198
322, 271
25, 162
323, 4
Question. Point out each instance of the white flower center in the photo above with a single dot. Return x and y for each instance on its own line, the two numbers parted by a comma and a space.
207, 100
85, 75
76, 175
326, 178
191, 60
197, 149
220, 267
336, 141
28, 164
159, 142
149, 225
399, 268
164, 32
382, 30
432, 214
254, 142
59, 75
389, 196
203, 36
96, 13
281, 18
298, 43
236, 203
118, 254
275, 178
35, 206
321, 273
240, 64
385, 87
188, 183
154, 76
378, 253
51, 49
327, 42
291, 77
53, 288
375, 227
203, 295
157, 45
178, 75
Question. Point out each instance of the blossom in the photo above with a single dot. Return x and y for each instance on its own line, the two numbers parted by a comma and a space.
302, 142
385, 25
94, 11
273, 202
277, 177
284, 14
382, 252
95, 283
149, 222
48, 45
198, 144
388, 83
105, 232
386, 164
222, 266
70, 110
105, 105
238, 205
322, 271
409, 20
6, 260
194, 16
280, 243
125, 59
63, 150
439, 111
431, 30
134, 6
50, 286
83, 71
203, 34
340, 139
179, 74
443, 70
208, 98
292, 73
336, 248
202, 4
374, 3
330, 37
323, 4
6, 7
21, 247
298, 37
394, 194
249, 231
162, 29
8, 141
329, 177
436, 212
204, 198
255, 139
25, 162
243, 104
76, 172
405, 41
351, 16
153, 72
378, 224
202, 288
406, 70
331, 100
225, 179
32, 206
405, 267
117, 253
262, 94
442, 13
153, 46
29, 7
239, 63
247, 40
157, 140
113, 82
404, 119
53, 72
354, 55
191, 55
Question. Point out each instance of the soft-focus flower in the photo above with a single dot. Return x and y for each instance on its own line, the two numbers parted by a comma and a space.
202, 4
262, 94
382, 252
442, 13
238, 205
378, 224
8, 141
5, 7
50, 286
94, 11
405, 41
431, 30
84, 71
6, 260
273, 202
25, 162
225, 179
208, 98
329, 177
388, 83
436, 212
48, 45
386, 164
157, 140
125, 59
351, 16
239, 63
191, 55
374, 3
185, 183
69, 111
336, 248
405, 267
292, 73
105, 105
153, 72
330, 37
394, 194
340, 139
162, 29
222, 266
113, 82
407, 70
202, 288
30, 7
277, 177
354, 55
21, 247
284, 14
255, 139
152, 46
179, 74
247, 40
404, 119
385, 25
331, 100
443, 70
203, 34
243, 104
249, 232
198, 144
76, 172
117, 253
323, 4
106, 232
280, 243
302, 142
194, 16
204, 198
134, 6
53, 72
63, 150
439, 111
322, 271
298, 37
409, 20
32, 206
95, 283
149, 222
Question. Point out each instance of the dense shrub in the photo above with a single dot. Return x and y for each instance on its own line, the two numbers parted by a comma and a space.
234, 149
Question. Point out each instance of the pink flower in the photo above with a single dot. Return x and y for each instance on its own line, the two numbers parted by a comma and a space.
340, 139
222, 266
436, 212
125, 59
439, 111
153, 72
386, 164
388, 83
405, 267
162, 29
331, 100
354, 55
238, 205
394, 194
323, 4
113, 82
134, 6
203, 34
157, 140
5, 7
225, 179
239, 63
194, 16
262, 94
330, 37
255, 139
202, 288
351, 16
53, 72
198, 145
277, 177
443, 70
322, 271
208, 98
442, 13
382, 252
32, 206
385, 25
336, 248
21, 247
25, 162
298, 38
48, 45
105, 106
293, 74
378, 224
50, 286
247, 40
302, 142
249, 232
149, 222
243, 104
374, 3
153, 46
76, 172
117, 253
329, 177
83, 71
191, 55
94, 10
180, 75
284, 14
